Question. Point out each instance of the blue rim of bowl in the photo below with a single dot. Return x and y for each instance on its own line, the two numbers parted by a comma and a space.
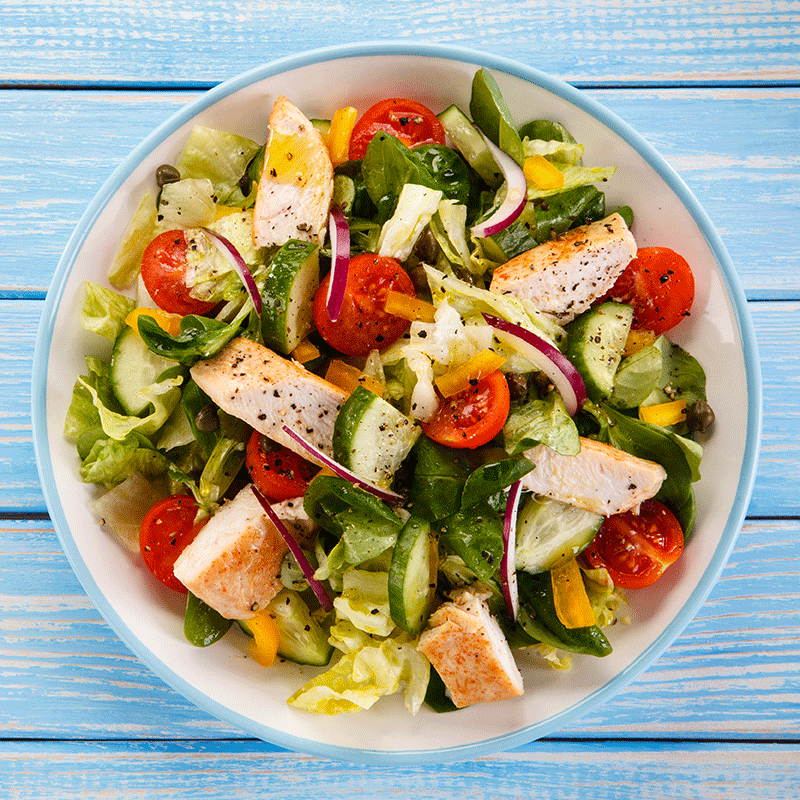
735, 293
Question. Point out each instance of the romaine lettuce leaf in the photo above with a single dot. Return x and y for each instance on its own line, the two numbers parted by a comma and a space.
104, 310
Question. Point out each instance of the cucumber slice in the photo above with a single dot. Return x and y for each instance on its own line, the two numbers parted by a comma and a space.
595, 344
288, 297
302, 639
133, 368
412, 575
463, 134
549, 532
371, 437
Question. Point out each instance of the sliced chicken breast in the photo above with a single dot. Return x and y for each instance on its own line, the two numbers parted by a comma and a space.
234, 563
600, 478
295, 189
268, 391
466, 647
565, 275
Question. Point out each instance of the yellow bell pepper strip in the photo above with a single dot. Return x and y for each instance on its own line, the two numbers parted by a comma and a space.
408, 307
664, 414
226, 211
339, 134
569, 596
266, 638
469, 372
637, 340
347, 377
542, 173
305, 351
171, 323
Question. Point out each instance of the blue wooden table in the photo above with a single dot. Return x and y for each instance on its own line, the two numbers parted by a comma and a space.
714, 87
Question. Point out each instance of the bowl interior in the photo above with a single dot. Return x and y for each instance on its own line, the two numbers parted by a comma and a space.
220, 679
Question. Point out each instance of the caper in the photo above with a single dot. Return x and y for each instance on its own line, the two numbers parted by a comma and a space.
517, 385
206, 419
699, 416
165, 174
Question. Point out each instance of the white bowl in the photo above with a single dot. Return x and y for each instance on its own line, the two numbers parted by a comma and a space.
219, 678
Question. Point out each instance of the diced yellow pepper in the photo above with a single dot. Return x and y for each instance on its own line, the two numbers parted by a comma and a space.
638, 339
664, 414
348, 377
305, 351
408, 307
569, 595
542, 173
170, 323
344, 119
266, 638
469, 372
226, 211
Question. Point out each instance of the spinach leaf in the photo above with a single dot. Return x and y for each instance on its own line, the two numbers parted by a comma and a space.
491, 479
439, 478
492, 115
200, 337
449, 171
476, 535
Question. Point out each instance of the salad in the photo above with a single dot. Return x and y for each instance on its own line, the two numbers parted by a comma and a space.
392, 396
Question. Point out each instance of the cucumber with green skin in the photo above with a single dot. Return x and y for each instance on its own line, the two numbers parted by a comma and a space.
371, 437
412, 576
463, 134
133, 368
596, 340
288, 296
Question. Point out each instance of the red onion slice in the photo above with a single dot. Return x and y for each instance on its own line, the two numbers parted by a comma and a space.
340, 262
319, 590
383, 494
548, 359
508, 565
516, 193
234, 258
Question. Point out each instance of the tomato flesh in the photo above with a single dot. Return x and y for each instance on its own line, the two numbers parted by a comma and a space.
167, 529
409, 121
472, 417
659, 284
364, 324
279, 473
636, 549
164, 275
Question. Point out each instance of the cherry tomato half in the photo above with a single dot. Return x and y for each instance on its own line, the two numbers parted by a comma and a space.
279, 473
363, 324
409, 121
164, 275
167, 529
473, 416
637, 548
659, 284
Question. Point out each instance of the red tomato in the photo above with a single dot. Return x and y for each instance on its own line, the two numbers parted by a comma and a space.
659, 284
411, 122
279, 474
473, 416
164, 275
363, 324
637, 548
167, 529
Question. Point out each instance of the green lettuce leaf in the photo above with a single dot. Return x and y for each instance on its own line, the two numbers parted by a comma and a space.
544, 421
104, 310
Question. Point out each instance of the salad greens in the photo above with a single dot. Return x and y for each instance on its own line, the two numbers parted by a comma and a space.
418, 204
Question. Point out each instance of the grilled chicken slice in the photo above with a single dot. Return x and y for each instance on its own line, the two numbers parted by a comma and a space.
466, 647
234, 563
267, 391
600, 478
295, 189
565, 275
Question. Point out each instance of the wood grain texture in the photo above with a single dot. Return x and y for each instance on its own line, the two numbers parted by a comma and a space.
122, 41
736, 150
555, 770
733, 674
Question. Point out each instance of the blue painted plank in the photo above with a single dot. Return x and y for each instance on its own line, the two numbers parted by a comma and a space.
737, 150
555, 770
775, 494
618, 43
733, 674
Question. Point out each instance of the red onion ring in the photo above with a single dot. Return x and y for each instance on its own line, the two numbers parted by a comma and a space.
383, 494
340, 262
508, 565
548, 359
234, 258
319, 590
516, 193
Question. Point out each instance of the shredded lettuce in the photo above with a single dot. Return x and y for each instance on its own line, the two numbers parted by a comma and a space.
364, 601
141, 229
574, 175
104, 310
415, 207
188, 203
